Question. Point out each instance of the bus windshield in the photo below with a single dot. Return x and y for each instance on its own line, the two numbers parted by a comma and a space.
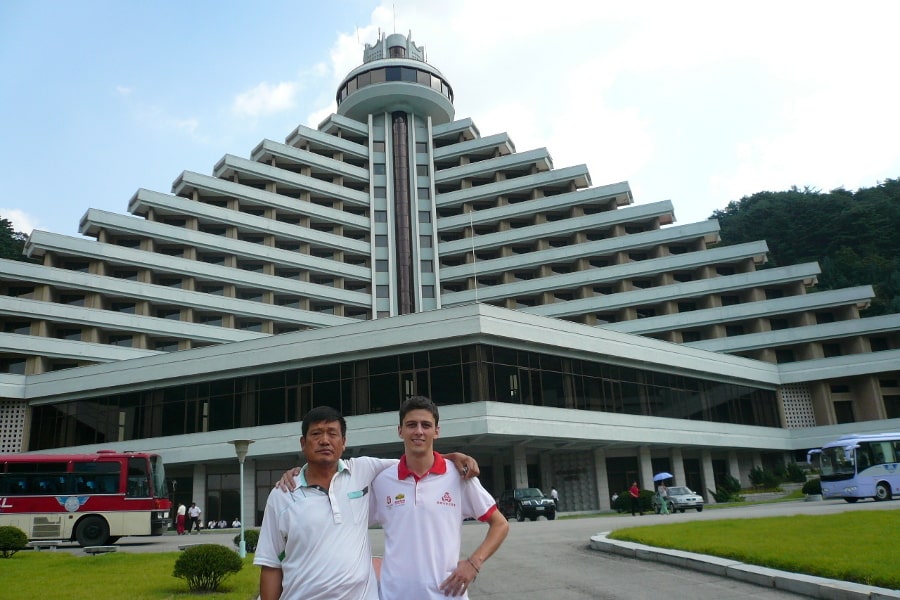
158, 476
837, 461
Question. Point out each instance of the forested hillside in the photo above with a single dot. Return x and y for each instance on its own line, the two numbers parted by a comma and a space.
854, 236
11, 242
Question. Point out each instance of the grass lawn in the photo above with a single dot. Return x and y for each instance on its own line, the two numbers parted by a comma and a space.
63, 576
856, 546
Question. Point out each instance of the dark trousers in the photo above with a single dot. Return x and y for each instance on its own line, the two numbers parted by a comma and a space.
195, 522
636, 506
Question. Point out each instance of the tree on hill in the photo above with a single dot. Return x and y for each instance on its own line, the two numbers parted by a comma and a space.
854, 236
12, 242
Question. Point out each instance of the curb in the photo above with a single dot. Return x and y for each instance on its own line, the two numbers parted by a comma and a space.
807, 585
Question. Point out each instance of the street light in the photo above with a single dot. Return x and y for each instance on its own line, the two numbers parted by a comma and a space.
240, 448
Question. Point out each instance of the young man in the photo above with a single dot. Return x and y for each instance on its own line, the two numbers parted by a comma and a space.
194, 513
314, 541
421, 505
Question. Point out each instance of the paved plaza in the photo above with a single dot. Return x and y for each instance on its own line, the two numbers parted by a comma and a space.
554, 558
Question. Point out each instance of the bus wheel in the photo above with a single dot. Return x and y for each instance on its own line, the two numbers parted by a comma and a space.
882, 492
92, 531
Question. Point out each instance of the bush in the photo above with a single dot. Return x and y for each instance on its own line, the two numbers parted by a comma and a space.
812, 487
728, 490
764, 478
623, 502
791, 472
12, 539
205, 566
251, 538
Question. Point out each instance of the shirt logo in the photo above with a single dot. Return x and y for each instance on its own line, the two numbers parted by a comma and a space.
398, 500
446, 500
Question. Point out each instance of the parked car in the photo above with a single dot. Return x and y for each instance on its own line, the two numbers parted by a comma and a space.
680, 498
526, 503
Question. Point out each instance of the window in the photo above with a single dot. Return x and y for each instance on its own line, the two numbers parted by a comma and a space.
377, 146
423, 192
424, 216
381, 241
124, 340
379, 168
381, 266
380, 191
124, 307
425, 241
428, 291
381, 216
422, 170
427, 266
382, 291
421, 147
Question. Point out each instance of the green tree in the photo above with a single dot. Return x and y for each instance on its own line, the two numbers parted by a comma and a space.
854, 236
12, 243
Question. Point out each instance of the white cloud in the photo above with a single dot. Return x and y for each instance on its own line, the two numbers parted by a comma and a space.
124, 90
266, 99
21, 220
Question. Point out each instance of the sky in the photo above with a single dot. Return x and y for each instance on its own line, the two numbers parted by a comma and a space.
697, 102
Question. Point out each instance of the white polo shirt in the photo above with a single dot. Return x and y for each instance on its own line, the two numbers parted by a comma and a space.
320, 539
422, 520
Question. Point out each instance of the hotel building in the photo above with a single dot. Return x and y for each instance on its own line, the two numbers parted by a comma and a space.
572, 338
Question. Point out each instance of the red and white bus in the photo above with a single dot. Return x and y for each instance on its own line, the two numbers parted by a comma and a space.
93, 499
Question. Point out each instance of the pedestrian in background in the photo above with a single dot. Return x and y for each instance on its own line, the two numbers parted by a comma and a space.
179, 518
635, 492
194, 513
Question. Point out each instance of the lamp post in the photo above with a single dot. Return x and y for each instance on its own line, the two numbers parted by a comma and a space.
240, 448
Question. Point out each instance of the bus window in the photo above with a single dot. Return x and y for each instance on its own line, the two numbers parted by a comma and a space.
138, 482
96, 477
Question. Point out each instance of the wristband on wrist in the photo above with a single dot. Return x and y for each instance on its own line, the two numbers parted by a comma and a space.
477, 571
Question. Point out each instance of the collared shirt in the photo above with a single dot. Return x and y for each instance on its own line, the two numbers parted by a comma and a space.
320, 539
422, 519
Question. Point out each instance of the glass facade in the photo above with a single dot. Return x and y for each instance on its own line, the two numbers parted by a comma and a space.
453, 375
395, 73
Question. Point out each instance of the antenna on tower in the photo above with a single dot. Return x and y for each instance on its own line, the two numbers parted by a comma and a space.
394, 9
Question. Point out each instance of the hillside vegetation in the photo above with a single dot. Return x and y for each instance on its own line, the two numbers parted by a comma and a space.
854, 236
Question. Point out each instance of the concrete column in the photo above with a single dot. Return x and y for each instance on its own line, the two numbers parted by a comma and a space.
646, 468
198, 491
547, 479
519, 467
734, 468
499, 483
602, 479
249, 499
709, 478
678, 467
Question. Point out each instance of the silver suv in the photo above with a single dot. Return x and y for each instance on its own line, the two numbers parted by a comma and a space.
680, 498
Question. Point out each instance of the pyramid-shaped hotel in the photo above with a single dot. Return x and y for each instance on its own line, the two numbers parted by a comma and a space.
571, 337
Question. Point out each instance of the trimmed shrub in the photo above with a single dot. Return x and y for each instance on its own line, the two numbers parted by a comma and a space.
623, 502
251, 538
205, 566
764, 478
795, 473
812, 487
728, 490
12, 539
